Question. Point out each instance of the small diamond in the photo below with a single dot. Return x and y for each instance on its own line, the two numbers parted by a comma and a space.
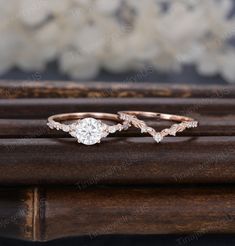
144, 129
89, 131
119, 127
158, 137
172, 132
191, 124
65, 128
150, 130
57, 126
73, 134
126, 125
112, 129
173, 129
50, 125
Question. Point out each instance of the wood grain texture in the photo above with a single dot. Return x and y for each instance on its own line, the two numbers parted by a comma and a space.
17, 213
67, 89
124, 210
135, 160
42, 108
66, 211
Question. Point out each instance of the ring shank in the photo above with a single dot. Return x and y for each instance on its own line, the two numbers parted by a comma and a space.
77, 116
162, 116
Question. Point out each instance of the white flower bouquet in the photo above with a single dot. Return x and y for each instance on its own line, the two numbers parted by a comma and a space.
85, 36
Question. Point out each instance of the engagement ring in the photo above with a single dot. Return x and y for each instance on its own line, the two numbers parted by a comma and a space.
87, 128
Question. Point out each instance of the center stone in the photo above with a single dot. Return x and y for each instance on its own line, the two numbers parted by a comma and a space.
89, 131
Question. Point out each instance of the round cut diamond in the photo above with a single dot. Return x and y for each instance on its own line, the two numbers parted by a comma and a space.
158, 137
89, 131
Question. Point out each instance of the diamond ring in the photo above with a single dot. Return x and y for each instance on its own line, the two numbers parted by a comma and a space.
87, 128
131, 118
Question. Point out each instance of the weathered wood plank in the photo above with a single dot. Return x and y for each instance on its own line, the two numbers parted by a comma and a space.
50, 213
137, 160
41, 108
139, 211
17, 214
68, 89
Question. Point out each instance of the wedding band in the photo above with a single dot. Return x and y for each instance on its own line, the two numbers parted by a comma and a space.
131, 118
88, 127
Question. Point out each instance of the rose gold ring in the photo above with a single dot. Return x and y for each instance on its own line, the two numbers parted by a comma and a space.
131, 118
85, 126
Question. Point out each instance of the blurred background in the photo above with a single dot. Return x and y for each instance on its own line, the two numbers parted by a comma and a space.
180, 41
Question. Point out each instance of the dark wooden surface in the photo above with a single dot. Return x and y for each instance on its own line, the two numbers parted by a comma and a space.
42, 108
67, 189
49, 213
17, 213
136, 160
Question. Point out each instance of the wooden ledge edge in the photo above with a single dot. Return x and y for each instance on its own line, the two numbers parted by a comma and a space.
35, 215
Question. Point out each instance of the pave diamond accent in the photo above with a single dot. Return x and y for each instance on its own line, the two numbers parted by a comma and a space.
89, 131
112, 129
158, 136
119, 127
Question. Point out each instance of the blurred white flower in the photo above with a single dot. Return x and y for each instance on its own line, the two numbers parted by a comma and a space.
106, 6
77, 65
85, 36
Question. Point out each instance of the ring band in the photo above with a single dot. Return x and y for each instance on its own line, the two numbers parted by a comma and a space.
88, 127
131, 118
